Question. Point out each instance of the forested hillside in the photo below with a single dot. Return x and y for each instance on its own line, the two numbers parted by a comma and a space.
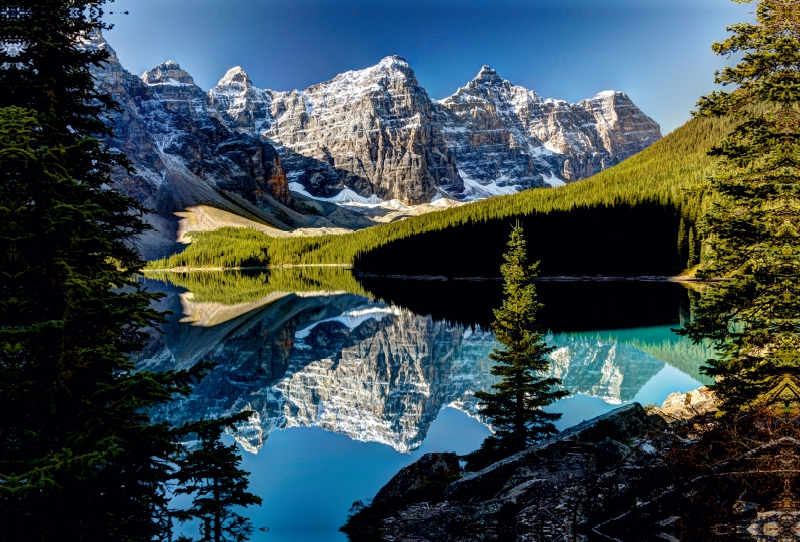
635, 218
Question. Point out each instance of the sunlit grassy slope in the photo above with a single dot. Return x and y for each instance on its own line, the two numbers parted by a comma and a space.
667, 173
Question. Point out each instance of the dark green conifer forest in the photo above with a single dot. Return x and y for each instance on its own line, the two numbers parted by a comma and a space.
80, 458
733, 475
752, 231
638, 217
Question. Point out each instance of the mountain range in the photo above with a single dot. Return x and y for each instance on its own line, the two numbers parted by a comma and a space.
343, 152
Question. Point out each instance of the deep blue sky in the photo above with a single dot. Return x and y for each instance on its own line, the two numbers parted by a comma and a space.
658, 51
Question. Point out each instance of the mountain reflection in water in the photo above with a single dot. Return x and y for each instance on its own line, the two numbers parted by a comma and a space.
368, 369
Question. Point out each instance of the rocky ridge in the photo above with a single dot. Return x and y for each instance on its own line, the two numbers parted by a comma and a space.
352, 151
184, 156
377, 133
506, 136
546, 492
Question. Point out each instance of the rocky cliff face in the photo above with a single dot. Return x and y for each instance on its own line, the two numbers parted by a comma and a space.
504, 135
373, 131
185, 156
239, 104
374, 134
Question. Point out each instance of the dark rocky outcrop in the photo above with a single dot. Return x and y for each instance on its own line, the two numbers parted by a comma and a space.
539, 494
431, 468
627, 476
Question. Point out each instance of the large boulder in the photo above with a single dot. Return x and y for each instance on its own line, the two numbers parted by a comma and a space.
432, 468
622, 424
542, 493
685, 406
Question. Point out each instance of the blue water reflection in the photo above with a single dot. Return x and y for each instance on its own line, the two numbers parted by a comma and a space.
346, 389
309, 477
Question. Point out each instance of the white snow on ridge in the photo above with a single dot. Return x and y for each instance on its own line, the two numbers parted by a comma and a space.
345, 197
606, 94
473, 190
553, 180
349, 198
541, 151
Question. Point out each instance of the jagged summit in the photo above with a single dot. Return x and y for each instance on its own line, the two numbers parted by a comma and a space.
526, 140
374, 131
393, 64
393, 60
95, 40
487, 77
235, 76
168, 72
605, 94
487, 74
390, 68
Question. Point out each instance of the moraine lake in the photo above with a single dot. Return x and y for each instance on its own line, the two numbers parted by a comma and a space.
350, 380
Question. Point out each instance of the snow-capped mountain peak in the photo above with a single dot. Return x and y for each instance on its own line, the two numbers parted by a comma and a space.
236, 76
394, 62
167, 73
487, 75
388, 70
372, 134
507, 135
605, 94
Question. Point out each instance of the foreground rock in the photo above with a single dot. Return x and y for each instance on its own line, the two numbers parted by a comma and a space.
685, 406
429, 469
542, 493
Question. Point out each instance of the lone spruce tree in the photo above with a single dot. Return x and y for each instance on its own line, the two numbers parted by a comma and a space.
80, 458
211, 473
752, 229
515, 408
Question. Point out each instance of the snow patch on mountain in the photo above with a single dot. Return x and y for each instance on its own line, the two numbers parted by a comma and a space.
553, 180
345, 197
473, 190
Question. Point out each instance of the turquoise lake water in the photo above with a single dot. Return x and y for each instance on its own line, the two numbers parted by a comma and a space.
347, 389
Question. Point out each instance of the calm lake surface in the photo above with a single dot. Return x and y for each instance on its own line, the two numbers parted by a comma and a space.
349, 380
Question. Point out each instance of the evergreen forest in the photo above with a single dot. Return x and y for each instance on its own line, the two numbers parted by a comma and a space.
80, 456
636, 218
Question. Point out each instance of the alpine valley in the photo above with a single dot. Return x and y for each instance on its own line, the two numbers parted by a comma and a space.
366, 147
